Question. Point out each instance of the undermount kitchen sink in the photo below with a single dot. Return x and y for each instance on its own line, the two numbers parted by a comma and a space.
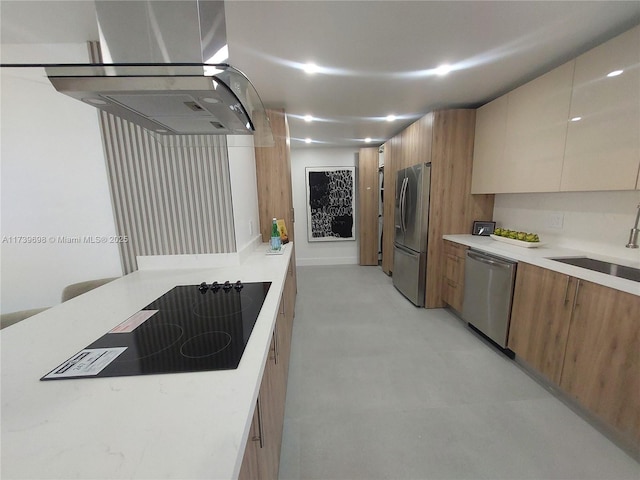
609, 268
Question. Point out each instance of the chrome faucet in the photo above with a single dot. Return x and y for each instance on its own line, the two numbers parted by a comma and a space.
633, 235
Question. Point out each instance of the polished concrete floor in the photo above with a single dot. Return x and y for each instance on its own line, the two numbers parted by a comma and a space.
380, 389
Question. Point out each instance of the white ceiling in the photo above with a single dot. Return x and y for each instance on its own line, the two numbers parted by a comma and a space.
375, 57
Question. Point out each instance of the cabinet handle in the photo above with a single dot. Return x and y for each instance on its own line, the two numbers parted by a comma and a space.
275, 344
575, 299
566, 290
259, 437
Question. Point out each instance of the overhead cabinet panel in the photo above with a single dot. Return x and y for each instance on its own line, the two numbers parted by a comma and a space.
537, 115
576, 128
488, 150
603, 141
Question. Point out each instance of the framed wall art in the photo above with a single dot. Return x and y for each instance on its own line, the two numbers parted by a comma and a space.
330, 203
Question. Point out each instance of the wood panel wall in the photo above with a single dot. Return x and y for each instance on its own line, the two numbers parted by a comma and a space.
444, 138
368, 206
273, 174
391, 153
273, 178
409, 147
454, 208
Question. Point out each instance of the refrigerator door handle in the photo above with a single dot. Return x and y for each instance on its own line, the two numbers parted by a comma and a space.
403, 200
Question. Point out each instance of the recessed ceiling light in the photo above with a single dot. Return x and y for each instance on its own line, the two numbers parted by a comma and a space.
308, 118
307, 140
615, 73
367, 140
443, 69
311, 68
210, 100
576, 119
391, 118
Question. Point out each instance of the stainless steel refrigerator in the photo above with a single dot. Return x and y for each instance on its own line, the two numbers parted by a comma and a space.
411, 231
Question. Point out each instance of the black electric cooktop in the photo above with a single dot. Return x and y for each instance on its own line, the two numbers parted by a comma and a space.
190, 328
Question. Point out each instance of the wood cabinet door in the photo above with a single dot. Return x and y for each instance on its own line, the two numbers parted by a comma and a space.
602, 361
250, 469
453, 279
540, 318
603, 147
368, 206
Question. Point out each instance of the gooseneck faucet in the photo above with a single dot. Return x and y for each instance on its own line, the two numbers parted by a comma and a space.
633, 235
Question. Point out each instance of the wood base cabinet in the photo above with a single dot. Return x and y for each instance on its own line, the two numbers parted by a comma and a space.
453, 277
540, 318
261, 459
602, 360
583, 337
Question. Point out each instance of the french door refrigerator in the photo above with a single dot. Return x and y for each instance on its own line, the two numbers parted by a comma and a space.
411, 231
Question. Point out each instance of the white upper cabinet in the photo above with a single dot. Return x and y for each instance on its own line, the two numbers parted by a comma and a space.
520, 137
576, 128
488, 148
603, 140
537, 131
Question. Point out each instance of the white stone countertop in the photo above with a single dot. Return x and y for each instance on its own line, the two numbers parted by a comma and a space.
540, 256
174, 426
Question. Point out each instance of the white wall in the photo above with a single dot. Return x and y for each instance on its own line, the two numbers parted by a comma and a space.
319, 253
597, 222
54, 183
242, 170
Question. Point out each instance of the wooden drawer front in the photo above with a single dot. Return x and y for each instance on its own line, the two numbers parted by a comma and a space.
455, 249
453, 275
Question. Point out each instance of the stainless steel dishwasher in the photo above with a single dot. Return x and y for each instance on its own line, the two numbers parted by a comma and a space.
488, 292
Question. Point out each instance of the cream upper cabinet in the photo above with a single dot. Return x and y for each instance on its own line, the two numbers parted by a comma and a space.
520, 137
488, 148
603, 140
536, 133
576, 128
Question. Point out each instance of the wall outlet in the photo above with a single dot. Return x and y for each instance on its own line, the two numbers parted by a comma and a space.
555, 220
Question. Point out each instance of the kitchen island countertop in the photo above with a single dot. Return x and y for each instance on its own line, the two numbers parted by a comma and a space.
180, 426
540, 257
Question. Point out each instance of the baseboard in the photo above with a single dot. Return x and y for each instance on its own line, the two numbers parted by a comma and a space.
306, 262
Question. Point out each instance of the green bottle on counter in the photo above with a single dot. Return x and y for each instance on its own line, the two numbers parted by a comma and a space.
275, 236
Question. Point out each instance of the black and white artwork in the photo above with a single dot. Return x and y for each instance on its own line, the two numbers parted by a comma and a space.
330, 203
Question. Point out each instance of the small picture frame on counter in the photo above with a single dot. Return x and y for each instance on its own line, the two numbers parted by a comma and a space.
483, 228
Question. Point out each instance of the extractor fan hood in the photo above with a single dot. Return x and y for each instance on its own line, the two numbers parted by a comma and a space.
162, 64
167, 99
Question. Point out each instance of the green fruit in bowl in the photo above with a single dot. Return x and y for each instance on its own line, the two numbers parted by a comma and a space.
517, 235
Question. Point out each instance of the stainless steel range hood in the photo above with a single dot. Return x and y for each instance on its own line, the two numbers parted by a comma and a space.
161, 65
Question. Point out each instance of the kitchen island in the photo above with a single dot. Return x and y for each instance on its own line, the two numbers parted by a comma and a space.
181, 425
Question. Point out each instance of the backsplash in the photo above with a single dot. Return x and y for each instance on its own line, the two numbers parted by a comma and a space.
597, 222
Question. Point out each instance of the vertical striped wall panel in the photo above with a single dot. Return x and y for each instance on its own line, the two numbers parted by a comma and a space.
167, 199
170, 195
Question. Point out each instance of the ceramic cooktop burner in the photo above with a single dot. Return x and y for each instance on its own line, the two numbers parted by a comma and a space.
190, 328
